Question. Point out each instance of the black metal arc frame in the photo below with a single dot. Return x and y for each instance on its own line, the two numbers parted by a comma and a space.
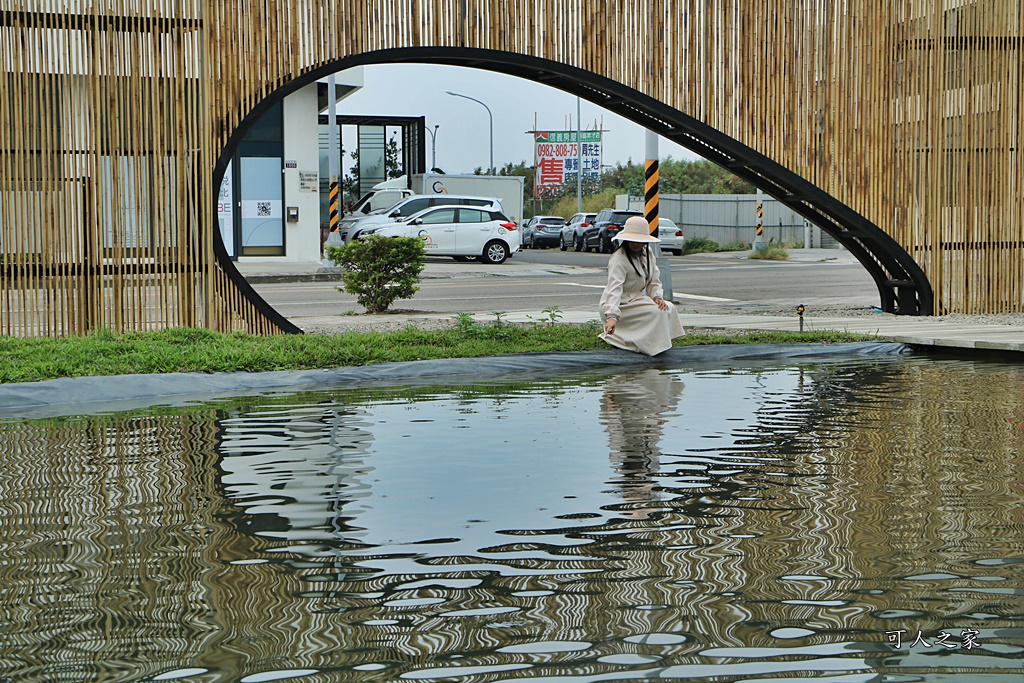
902, 285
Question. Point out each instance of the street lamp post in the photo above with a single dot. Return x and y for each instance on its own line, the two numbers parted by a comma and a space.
490, 118
433, 146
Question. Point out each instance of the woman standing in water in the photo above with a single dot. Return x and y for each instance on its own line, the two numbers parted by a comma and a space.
636, 317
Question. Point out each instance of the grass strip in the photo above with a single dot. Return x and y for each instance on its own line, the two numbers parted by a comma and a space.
199, 350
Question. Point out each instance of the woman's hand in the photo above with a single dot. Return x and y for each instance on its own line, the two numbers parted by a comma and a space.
660, 303
609, 326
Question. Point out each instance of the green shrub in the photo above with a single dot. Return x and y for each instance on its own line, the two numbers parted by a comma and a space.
592, 203
378, 270
699, 245
735, 246
771, 252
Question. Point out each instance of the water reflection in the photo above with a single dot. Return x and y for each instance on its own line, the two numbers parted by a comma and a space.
634, 408
763, 522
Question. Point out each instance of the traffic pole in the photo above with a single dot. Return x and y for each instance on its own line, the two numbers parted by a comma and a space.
334, 204
651, 210
759, 232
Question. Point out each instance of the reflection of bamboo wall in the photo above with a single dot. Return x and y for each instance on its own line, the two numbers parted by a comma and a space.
907, 112
914, 505
112, 524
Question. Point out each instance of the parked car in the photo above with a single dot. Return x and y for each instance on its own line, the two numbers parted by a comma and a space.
461, 232
541, 231
606, 225
574, 227
351, 228
671, 235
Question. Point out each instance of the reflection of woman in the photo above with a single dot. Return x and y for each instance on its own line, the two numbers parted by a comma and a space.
634, 408
635, 316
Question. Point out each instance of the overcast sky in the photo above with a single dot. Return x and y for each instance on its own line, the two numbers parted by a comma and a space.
463, 137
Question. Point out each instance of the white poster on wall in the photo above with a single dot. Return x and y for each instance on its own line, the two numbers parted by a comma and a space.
262, 208
225, 217
309, 181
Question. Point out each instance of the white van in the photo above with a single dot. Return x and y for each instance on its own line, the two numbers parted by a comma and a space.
383, 196
352, 228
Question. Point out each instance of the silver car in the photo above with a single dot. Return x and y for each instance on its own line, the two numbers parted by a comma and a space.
542, 230
576, 225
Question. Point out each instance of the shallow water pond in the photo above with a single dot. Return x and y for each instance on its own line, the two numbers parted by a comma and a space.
843, 521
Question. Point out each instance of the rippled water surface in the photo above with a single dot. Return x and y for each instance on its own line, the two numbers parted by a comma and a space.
821, 522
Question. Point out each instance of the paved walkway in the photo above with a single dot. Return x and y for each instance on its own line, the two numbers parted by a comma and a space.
963, 332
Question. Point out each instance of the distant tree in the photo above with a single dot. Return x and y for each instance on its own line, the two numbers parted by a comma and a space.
699, 177
680, 176
589, 186
350, 181
628, 177
393, 158
675, 177
566, 206
523, 170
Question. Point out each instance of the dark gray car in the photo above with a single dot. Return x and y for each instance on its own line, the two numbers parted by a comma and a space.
606, 225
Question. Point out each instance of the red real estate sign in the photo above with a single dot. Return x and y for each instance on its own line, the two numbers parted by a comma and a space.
560, 157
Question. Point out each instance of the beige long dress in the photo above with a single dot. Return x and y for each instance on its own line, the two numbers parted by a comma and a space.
642, 326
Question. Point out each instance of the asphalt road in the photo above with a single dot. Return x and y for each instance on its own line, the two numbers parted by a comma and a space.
700, 283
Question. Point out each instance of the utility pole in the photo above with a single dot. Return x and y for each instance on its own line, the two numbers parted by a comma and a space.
651, 210
536, 171
433, 146
579, 159
490, 119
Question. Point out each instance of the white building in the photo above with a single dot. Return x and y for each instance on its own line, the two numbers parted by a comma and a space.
270, 206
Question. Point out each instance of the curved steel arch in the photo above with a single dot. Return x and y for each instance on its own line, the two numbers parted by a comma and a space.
902, 285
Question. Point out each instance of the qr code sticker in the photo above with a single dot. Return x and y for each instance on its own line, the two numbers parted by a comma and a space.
262, 209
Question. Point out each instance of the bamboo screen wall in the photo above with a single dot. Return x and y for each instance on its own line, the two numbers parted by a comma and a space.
905, 110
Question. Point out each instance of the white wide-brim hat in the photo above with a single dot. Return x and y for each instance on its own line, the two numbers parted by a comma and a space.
636, 229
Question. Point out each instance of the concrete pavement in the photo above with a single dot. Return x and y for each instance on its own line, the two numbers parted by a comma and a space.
961, 332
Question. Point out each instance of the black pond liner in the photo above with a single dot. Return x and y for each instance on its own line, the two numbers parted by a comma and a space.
82, 395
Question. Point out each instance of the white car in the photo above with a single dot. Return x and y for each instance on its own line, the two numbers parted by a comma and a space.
671, 235
462, 232
351, 228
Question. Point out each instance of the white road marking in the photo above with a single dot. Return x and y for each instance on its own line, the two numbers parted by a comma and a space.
676, 295
766, 264
347, 299
698, 297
